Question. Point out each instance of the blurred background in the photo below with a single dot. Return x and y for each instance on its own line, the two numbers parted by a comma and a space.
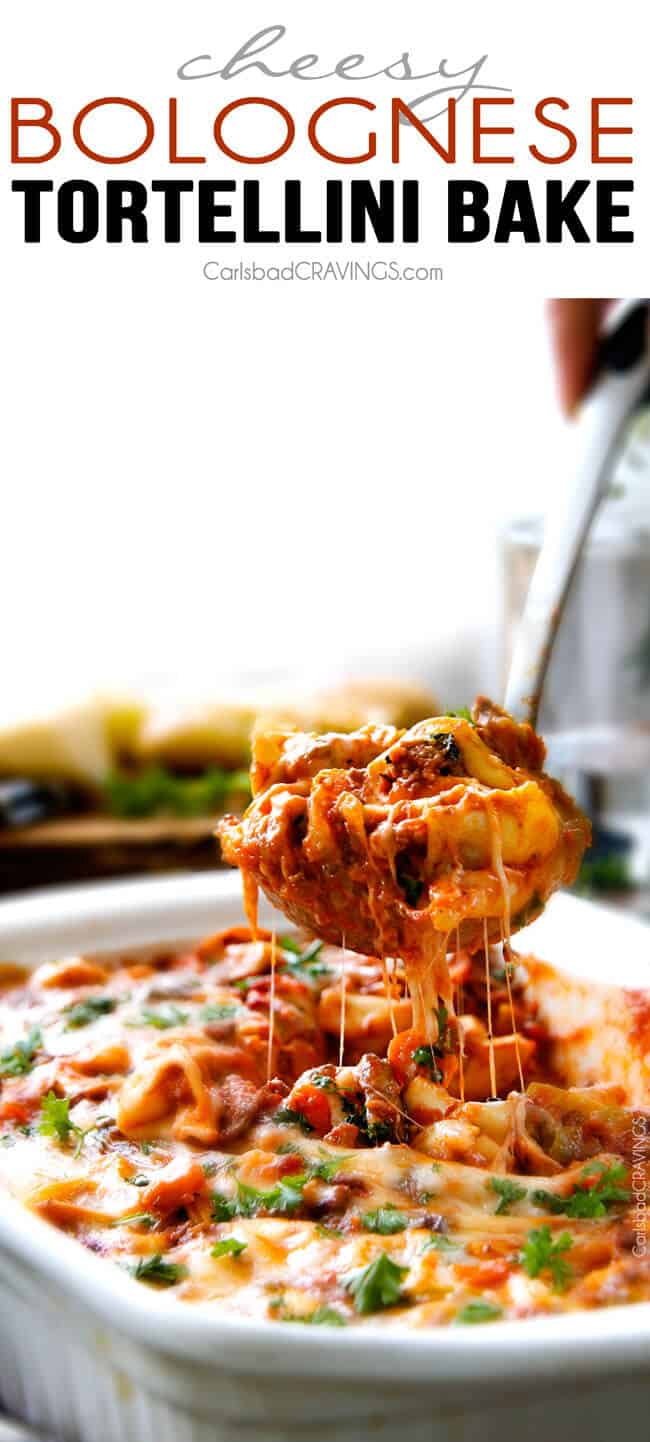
310, 509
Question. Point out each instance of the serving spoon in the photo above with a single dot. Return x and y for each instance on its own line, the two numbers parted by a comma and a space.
622, 375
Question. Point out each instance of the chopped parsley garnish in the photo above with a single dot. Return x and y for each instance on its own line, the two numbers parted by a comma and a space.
508, 1193
19, 1058
311, 952
326, 1083
327, 1167
440, 1243
321, 1317
156, 790
95, 1126
285, 1197
303, 961
229, 1247
354, 1111
385, 1220
478, 1311
326, 1317
289, 943
286, 1116
377, 1286
223, 1209
542, 1254
218, 1011
136, 1219
82, 1013
442, 1017
451, 762
378, 1132
425, 1056
279, 1200
162, 1274
588, 1200
54, 1118
172, 1016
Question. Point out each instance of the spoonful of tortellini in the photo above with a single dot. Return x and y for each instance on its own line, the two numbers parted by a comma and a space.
408, 843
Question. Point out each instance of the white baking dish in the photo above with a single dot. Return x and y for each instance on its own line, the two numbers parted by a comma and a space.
90, 1357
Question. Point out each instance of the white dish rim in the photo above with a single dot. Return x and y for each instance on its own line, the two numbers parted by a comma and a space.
113, 914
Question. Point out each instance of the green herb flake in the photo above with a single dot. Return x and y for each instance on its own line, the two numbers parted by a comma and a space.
377, 1286
82, 1013
442, 1017
228, 1247
508, 1192
218, 1011
289, 943
19, 1058
321, 1317
163, 1020
542, 1254
424, 1056
158, 1272
136, 1219
54, 1118
286, 1117
326, 1317
440, 1243
387, 1221
304, 961
280, 1200
478, 1311
328, 1167
223, 1209
588, 1200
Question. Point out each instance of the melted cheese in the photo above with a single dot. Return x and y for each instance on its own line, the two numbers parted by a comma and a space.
395, 841
136, 1114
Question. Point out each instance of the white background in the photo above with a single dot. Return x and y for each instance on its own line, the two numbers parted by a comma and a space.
203, 479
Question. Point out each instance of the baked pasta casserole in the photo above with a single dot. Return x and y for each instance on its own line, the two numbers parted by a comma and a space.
401, 1130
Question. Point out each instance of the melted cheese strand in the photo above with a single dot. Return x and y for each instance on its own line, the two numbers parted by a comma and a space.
251, 894
506, 966
269, 1053
461, 1035
342, 1010
488, 981
497, 862
389, 988
461, 1046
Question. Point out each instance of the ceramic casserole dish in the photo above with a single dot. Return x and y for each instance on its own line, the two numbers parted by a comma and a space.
87, 1357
